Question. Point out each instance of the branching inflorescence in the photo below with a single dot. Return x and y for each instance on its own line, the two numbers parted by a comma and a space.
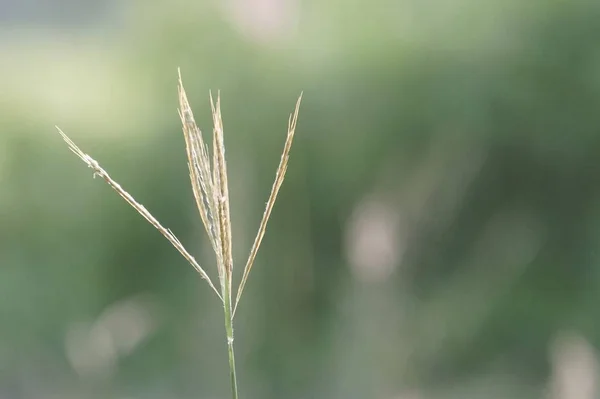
208, 175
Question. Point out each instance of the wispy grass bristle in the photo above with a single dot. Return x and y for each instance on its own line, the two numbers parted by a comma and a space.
98, 171
279, 177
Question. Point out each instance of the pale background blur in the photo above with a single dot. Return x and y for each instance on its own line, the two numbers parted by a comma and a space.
437, 236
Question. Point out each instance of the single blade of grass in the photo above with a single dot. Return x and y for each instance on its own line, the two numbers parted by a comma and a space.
279, 177
98, 171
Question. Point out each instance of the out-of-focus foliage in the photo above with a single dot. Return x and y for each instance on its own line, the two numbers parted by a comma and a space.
436, 236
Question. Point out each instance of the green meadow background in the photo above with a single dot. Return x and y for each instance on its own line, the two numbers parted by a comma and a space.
437, 235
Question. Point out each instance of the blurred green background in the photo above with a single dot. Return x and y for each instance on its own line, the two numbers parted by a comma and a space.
436, 236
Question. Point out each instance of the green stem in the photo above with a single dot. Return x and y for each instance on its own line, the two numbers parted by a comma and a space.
229, 332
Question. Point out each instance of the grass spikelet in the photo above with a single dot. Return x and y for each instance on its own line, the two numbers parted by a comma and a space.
279, 177
98, 171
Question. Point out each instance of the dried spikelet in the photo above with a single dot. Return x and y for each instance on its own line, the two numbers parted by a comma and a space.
221, 187
98, 171
200, 171
279, 177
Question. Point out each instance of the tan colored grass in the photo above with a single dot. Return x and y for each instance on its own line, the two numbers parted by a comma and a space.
208, 176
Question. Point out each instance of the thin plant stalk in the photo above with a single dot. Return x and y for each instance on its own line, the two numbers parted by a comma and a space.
208, 176
229, 332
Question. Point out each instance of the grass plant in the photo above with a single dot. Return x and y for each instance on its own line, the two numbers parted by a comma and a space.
208, 175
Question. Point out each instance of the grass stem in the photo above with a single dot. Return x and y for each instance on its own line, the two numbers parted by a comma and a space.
229, 332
